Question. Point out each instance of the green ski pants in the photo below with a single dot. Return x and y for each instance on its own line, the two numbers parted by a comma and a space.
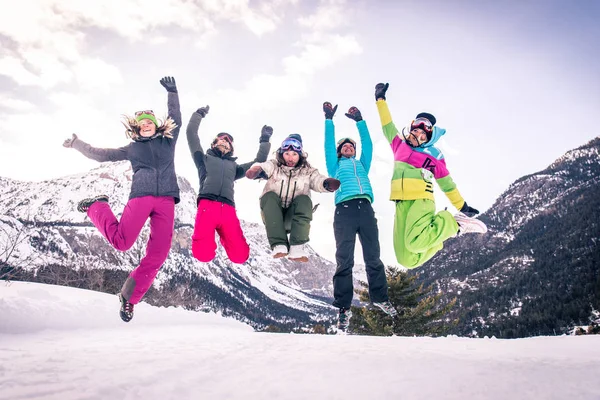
280, 221
419, 232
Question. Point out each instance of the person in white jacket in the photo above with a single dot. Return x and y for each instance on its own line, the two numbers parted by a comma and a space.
286, 206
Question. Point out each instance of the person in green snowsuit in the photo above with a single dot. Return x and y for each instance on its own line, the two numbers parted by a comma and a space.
286, 197
419, 232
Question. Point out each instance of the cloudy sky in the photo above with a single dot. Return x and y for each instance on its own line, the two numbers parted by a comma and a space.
515, 83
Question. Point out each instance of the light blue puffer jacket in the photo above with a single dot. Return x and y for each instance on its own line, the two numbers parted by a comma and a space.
352, 173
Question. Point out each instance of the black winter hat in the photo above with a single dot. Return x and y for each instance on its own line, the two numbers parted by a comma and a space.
430, 117
296, 136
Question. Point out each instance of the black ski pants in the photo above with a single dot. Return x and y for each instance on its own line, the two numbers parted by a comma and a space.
354, 217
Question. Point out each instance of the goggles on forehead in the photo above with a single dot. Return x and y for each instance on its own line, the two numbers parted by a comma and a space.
225, 136
422, 123
291, 144
346, 140
138, 113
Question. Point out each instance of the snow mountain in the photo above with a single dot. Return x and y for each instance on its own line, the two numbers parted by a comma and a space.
43, 238
537, 270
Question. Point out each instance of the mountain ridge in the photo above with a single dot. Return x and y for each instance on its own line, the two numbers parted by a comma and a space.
59, 236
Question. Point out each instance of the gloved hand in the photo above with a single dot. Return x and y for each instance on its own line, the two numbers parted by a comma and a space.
329, 110
354, 113
380, 90
331, 184
266, 133
254, 172
468, 210
203, 111
168, 83
69, 142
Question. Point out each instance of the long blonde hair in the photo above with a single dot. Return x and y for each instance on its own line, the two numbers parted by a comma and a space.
132, 127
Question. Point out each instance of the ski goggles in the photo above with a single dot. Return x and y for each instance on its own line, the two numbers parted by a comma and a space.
422, 123
346, 140
149, 112
225, 136
291, 144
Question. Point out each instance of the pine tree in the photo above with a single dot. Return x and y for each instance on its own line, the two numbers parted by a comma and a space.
419, 311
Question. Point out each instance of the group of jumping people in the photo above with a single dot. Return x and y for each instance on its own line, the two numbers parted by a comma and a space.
285, 204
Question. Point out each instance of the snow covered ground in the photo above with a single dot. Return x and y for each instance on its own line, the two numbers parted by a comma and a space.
64, 343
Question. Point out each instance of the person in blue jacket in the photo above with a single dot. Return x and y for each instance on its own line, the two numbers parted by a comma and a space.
354, 216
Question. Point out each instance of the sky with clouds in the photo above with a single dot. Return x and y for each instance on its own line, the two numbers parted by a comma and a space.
514, 83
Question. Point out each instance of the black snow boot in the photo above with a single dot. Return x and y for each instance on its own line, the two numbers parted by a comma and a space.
126, 311
85, 204
386, 307
344, 319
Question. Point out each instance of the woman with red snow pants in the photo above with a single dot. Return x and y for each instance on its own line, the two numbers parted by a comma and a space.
154, 193
218, 171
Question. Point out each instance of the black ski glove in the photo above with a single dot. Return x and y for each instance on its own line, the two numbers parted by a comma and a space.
354, 113
69, 142
168, 83
203, 111
331, 184
380, 90
266, 133
329, 110
468, 210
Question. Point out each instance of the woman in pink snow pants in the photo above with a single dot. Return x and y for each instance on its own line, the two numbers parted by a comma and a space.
154, 193
218, 171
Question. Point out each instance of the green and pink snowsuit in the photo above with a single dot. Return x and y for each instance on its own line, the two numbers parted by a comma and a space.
419, 232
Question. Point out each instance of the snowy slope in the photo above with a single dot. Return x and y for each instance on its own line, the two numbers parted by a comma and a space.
44, 213
533, 272
64, 343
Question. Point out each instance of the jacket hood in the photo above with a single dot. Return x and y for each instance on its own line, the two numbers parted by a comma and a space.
435, 136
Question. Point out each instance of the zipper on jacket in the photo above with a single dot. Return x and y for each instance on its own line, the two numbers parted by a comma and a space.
357, 177
288, 188
222, 176
154, 165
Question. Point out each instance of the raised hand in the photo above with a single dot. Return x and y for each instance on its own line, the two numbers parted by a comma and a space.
331, 184
380, 90
265, 133
69, 142
203, 111
329, 110
168, 83
468, 210
354, 113
254, 172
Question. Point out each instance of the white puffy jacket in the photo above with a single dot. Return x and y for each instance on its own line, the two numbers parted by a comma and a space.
291, 182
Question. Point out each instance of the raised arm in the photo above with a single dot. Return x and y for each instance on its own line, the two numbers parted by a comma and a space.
94, 153
331, 159
168, 82
192, 136
263, 152
389, 129
366, 144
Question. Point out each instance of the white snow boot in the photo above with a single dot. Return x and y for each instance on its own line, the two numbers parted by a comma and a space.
279, 251
469, 225
297, 253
